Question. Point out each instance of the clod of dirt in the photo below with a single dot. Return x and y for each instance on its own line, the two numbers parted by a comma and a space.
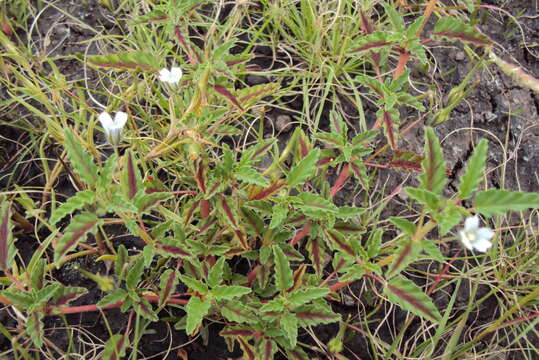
283, 123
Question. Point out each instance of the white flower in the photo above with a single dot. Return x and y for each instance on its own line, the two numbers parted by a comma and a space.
474, 237
113, 128
171, 76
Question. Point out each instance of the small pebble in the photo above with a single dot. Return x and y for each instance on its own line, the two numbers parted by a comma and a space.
283, 123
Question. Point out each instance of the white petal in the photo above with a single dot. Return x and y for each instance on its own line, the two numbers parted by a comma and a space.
471, 223
120, 119
484, 233
465, 241
175, 74
106, 121
482, 245
164, 75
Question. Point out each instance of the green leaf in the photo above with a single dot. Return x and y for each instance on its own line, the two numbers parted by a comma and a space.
237, 312
407, 253
283, 272
432, 250
18, 298
44, 295
132, 60
145, 202
81, 225
130, 181
67, 294
196, 310
455, 29
433, 178
134, 274
374, 243
76, 202
144, 309
112, 298
106, 173
194, 284
82, 163
409, 296
279, 214
289, 323
311, 315
347, 212
275, 305
115, 347
34, 327
7, 244
424, 197
167, 284
404, 225
250, 176
315, 206
474, 171
394, 17
221, 292
303, 296
266, 349
303, 170
492, 202
448, 218
215, 276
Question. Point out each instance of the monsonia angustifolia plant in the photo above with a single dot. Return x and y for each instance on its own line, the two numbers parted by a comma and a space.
248, 237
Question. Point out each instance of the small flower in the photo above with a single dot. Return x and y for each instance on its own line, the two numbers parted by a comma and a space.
113, 128
171, 76
474, 237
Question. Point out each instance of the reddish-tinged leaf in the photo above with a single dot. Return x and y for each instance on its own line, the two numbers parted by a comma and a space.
296, 355
335, 237
262, 149
365, 23
204, 208
252, 94
339, 183
267, 192
199, 177
223, 91
347, 228
408, 295
298, 276
373, 45
242, 240
406, 159
315, 252
131, 177
173, 250
167, 284
236, 332
69, 294
78, 229
388, 122
304, 231
269, 348
187, 48
324, 161
304, 149
228, 212
313, 315
248, 349
5, 235
190, 213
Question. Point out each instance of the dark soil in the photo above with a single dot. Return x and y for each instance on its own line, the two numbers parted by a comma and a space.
504, 110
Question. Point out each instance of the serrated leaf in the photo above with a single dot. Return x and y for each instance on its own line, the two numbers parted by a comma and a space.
131, 181
145, 202
251, 176
492, 202
347, 212
18, 298
194, 284
81, 225
237, 312
167, 284
34, 327
112, 298
474, 171
144, 309
297, 354
375, 41
37, 274
434, 177
374, 243
266, 348
132, 60
7, 244
289, 324
315, 206
44, 295
447, 219
432, 250
407, 253
455, 29
424, 197
278, 215
390, 120
303, 170
75, 202
115, 347
134, 274
106, 173
404, 225
409, 296
303, 296
222, 292
394, 17
215, 276
405, 159
81, 161
283, 272
252, 95
311, 315
66, 295
196, 310
275, 305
